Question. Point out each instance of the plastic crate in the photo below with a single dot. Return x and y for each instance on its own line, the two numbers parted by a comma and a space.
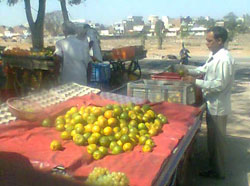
157, 90
166, 76
100, 73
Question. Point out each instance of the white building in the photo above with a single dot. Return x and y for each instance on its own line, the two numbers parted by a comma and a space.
119, 28
105, 33
165, 20
172, 32
138, 28
198, 31
153, 19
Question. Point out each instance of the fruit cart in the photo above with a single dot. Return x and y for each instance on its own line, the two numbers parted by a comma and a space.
124, 63
26, 70
154, 168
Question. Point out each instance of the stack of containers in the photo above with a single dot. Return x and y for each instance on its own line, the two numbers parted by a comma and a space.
162, 90
100, 75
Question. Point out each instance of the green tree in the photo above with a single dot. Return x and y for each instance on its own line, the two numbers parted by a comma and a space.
36, 26
53, 22
206, 23
230, 25
159, 28
64, 7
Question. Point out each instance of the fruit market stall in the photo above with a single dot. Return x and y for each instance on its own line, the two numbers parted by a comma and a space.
147, 139
124, 63
29, 70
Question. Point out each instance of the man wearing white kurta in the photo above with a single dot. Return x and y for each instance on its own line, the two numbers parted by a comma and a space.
216, 85
94, 42
75, 56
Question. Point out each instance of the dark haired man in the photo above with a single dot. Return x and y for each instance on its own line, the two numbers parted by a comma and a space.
218, 72
73, 55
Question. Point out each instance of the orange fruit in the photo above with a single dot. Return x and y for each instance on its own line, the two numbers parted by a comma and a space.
91, 119
109, 114
143, 132
59, 120
69, 127
117, 149
146, 148
96, 128
133, 123
112, 144
109, 107
125, 138
73, 110
157, 121
116, 129
92, 140
107, 131
127, 147
85, 116
117, 111
150, 142
118, 135
103, 150
124, 116
137, 108
97, 111
152, 132
112, 122
104, 141
97, 135
124, 130
79, 128
72, 133
91, 148
102, 121
142, 140
142, 126
88, 128
119, 142
65, 135
79, 139
46, 122
151, 113
55, 145
97, 155
86, 135
77, 119
60, 127
133, 130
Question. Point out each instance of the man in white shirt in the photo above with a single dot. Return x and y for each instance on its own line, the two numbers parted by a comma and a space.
94, 42
73, 55
216, 85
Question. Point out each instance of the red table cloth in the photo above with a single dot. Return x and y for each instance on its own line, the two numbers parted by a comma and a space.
33, 141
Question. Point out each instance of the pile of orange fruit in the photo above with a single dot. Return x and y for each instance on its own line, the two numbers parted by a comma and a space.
111, 129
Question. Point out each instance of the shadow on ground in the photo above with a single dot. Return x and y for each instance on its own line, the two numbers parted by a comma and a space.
237, 162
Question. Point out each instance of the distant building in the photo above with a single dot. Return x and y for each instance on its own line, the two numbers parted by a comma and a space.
119, 28
136, 20
198, 31
152, 19
173, 32
165, 20
105, 33
138, 28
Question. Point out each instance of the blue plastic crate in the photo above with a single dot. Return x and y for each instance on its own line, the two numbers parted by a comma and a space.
100, 72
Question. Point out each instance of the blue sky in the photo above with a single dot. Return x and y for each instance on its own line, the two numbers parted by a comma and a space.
110, 11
